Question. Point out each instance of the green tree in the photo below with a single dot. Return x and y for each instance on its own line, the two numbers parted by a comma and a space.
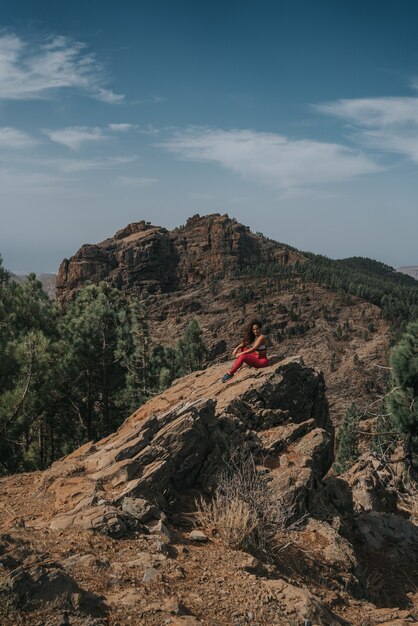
347, 451
27, 332
402, 400
191, 350
91, 329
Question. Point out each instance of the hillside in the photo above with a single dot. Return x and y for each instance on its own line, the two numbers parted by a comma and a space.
47, 280
410, 270
104, 537
215, 270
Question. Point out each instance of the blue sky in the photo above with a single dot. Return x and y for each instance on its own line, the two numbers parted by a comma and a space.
299, 118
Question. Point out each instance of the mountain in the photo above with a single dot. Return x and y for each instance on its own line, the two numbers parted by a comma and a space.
219, 272
218, 503
47, 280
410, 270
144, 260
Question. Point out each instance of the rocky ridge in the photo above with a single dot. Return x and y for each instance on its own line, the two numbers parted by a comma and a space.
194, 272
104, 535
143, 259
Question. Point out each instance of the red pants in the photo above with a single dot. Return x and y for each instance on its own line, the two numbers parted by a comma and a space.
251, 359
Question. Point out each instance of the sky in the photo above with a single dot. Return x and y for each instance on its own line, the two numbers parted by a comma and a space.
297, 117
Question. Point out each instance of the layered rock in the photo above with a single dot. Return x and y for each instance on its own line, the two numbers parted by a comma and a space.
143, 259
179, 442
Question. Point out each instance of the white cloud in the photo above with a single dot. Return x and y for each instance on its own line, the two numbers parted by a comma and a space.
149, 129
121, 128
373, 111
271, 159
15, 138
386, 124
74, 136
152, 99
33, 71
396, 140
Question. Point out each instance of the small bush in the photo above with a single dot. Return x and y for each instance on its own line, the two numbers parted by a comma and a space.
243, 511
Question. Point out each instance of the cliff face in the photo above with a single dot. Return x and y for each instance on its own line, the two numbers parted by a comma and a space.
140, 259
143, 259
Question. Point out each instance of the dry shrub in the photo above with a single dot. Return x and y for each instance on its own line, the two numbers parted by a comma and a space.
234, 521
243, 510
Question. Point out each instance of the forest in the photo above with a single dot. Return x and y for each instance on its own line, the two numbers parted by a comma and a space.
395, 293
71, 376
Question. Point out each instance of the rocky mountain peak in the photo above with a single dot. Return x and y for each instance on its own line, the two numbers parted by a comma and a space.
143, 259
136, 228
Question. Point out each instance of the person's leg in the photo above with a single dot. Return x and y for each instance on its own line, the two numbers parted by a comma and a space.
237, 364
251, 359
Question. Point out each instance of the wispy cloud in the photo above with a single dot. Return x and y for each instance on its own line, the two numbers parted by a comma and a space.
74, 136
386, 124
373, 111
34, 71
121, 128
15, 138
271, 159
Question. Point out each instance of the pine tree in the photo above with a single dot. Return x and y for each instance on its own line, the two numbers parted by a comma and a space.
91, 333
402, 401
191, 350
347, 451
134, 354
27, 332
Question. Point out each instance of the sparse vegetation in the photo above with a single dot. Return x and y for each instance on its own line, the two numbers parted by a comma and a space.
243, 510
347, 450
402, 401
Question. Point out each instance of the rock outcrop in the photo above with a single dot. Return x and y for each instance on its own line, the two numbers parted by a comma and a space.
143, 259
109, 529
179, 442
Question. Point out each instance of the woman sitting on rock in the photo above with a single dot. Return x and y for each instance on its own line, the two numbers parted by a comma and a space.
252, 350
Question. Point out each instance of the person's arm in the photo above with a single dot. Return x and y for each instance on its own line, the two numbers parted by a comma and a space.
234, 352
255, 345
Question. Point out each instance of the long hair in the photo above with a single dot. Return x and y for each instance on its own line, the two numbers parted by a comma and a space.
249, 336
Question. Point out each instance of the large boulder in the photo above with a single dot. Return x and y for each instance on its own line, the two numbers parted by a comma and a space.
179, 441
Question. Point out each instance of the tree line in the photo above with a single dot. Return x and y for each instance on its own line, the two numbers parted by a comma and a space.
395, 293
70, 376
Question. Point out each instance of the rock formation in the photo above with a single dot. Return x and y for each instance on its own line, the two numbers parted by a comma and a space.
193, 272
111, 522
143, 259
178, 442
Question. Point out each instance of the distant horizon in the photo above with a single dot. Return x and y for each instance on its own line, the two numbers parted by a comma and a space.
21, 273
300, 119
